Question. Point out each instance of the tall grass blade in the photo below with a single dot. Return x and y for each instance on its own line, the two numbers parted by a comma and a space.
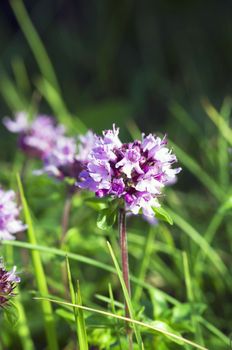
184, 118
112, 303
126, 296
82, 335
200, 241
22, 326
78, 313
40, 276
200, 174
146, 255
191, 299
34, 42
58, 106
223, 154
20, 73
218, 120
11, 95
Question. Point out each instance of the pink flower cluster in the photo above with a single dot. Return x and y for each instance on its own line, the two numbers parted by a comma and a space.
9, 212
38, 137
136, 171
68, 157
62, 156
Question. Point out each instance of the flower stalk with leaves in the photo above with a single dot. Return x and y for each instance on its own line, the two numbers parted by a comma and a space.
133, 175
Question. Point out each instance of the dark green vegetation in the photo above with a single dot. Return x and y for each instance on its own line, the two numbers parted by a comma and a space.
125, 62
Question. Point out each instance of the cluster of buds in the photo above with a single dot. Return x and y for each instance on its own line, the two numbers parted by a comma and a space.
8, 283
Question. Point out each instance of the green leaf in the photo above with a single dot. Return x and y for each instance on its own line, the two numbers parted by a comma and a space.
163, 215
181, 312
68, 316
166, 328
97, 203
106, 218
11, 314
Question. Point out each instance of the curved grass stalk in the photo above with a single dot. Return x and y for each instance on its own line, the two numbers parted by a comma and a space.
130, 320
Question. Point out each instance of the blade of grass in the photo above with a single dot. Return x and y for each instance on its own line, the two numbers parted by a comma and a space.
20, 73
220, 123
184, 118
72, 294
108, 300
191, 299
214, 330
22, 326
126, 296
34, 42
40, 276
82, 335
58, 106
112, 303
11, 95
78, 313
213, 227
85, 260
197, 171
200, 241
146, 254
130, 320
223, 154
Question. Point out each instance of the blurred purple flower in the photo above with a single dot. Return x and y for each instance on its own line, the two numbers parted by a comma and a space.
36, 137
9, 212
68, 157
136, 172
8, 282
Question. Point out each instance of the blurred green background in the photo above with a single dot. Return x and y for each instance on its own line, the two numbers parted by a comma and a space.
134, 57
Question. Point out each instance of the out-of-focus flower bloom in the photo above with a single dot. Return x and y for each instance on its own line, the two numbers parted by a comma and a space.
9, 212
136, 171
37, 137
68, 156
8, 282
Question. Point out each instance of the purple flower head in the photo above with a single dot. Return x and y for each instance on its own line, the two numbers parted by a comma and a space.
9, 212
8, 282
136, 172
67, 158
37, 137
